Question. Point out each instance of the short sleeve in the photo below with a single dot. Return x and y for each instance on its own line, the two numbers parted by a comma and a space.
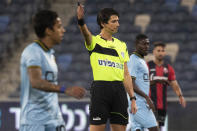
132, 67
92, 45
32, 57
171, 75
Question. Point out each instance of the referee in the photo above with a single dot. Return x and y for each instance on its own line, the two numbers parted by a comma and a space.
108, 57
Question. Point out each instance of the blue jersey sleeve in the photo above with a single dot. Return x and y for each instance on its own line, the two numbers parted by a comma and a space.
132, 66
32, 57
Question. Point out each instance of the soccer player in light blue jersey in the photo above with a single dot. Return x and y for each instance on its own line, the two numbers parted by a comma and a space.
39, 100
138, 69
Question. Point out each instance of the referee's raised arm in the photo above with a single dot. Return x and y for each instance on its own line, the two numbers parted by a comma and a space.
82, 26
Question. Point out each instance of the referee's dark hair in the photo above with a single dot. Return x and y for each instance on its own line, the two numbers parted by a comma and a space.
140, 37
159, 43
104, 15
42, 20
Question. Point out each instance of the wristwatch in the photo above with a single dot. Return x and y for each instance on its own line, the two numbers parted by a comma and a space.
132, 98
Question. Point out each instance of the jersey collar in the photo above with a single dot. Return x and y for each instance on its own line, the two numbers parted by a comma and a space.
42, 45
106, 39
138, 54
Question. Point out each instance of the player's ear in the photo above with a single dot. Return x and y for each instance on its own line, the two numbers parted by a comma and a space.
102, 24
48, 31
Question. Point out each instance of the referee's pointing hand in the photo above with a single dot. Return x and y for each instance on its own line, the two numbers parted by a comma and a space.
80, 11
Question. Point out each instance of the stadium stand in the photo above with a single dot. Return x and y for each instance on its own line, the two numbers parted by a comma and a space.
188, 3
143, 21
172, 50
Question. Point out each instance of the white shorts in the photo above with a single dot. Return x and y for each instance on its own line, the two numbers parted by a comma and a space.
144, 118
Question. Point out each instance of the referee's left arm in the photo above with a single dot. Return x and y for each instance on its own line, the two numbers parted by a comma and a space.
129, 87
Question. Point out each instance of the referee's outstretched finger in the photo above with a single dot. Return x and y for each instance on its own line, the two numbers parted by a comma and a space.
80, 11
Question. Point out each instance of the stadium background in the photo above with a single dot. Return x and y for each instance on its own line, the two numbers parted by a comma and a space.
170, 21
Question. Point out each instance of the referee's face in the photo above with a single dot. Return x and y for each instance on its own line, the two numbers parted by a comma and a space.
112, 25
58, 32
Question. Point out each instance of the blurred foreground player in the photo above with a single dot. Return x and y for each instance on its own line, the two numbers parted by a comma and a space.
39, 100
161, 75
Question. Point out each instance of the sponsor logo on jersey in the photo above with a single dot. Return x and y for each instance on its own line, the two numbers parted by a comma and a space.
49, 76
160, 78
111, 46
110, 64
146, 77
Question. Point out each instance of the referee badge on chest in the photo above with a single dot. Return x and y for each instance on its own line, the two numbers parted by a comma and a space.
122, 53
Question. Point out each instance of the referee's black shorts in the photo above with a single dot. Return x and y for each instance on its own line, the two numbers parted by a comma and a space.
108, 101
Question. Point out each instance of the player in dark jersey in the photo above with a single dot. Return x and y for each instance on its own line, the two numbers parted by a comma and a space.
162, 75
108, 57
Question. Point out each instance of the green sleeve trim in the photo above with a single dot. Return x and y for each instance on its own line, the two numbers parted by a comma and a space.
117, 113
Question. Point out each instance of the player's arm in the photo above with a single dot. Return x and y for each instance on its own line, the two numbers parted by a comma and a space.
82, 26
175, 86
141, 93
36, 81
129, 88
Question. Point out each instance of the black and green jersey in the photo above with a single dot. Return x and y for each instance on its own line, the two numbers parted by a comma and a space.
107, 58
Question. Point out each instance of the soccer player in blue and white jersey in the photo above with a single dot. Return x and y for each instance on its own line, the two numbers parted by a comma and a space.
39, 100
138, 69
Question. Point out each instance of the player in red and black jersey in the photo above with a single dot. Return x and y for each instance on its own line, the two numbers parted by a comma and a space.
162, 75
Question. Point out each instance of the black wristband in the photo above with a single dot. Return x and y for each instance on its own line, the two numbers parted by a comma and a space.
180, 95
132, 98
81, 22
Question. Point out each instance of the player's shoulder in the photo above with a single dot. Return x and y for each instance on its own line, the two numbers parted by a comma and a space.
97, 38
134, 57
170, 67
167, 64
31, 49
119, 41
